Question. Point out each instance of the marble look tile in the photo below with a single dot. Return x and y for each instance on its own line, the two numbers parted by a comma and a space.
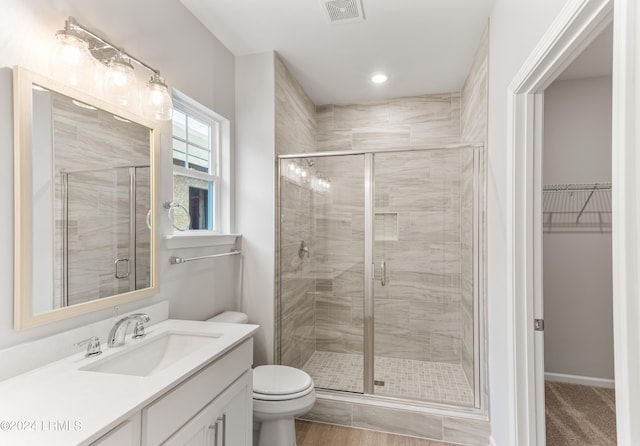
339, 338
444, 319
331, 411
360, 115
430, 226
435, 132
398, 421
458, 430
445, 348
333, 309
324, 118
467, 353
334, 140
403, 345
350, 282
409, 166
420, 109
295, 114
474, 113
381, 137
444, 257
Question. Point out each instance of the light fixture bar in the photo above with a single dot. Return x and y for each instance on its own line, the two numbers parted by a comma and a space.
72, 24
120, 84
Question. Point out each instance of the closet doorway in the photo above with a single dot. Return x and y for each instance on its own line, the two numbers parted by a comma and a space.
577, 291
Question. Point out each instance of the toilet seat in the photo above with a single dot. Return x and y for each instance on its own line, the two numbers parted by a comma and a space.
279, 382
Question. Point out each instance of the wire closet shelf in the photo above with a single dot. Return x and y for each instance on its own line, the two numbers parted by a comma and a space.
576, 207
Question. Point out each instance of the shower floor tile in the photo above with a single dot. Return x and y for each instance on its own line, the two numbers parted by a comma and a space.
403, 378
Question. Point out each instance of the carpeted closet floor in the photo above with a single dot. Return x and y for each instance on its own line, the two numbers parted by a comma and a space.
580, 415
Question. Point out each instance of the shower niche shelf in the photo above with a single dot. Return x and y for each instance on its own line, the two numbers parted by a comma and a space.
576, 207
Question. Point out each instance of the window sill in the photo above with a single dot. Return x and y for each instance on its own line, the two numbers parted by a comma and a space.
196, 240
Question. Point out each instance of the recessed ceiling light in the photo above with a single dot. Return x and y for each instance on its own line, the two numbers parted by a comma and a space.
379, 78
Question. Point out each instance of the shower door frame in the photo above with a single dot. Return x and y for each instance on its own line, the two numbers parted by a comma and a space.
479, 364
133, 219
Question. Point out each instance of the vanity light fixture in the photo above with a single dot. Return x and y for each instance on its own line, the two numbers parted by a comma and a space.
120, 83
157, 102
74, 62
71, 60
379, 78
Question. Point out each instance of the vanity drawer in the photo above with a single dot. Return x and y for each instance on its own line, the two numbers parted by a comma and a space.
166, 415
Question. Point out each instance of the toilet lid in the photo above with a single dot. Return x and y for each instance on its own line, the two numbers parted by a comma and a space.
280, 380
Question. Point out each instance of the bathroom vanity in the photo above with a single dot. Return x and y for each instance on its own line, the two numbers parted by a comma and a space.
185, 383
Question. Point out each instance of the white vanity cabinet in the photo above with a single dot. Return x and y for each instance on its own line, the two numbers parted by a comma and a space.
226, 421
212, 407
186, 382
126, 434
219, 384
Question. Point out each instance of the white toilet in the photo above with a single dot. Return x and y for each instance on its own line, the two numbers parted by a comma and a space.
280, 393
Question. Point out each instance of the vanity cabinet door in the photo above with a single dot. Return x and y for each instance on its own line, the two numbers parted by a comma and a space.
226, 421
126, 434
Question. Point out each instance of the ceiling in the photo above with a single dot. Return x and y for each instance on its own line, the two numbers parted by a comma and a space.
424, 46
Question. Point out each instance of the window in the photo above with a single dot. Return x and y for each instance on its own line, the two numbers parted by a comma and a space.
199, 137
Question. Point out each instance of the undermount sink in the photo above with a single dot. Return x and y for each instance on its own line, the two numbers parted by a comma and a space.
152, 355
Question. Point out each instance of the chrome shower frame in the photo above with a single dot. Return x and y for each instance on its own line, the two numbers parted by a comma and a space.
480, 407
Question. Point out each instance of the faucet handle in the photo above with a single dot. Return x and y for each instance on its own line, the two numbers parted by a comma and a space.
138, 330
93, 346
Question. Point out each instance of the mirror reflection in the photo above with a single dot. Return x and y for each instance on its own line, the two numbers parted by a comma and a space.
91, 202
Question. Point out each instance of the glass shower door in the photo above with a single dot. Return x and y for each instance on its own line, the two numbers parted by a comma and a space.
423, 280
322, 283
96, 233
105, 238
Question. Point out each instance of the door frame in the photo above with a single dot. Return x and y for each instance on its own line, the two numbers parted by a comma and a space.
576, 26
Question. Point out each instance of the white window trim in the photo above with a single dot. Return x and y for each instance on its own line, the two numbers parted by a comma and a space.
222, 199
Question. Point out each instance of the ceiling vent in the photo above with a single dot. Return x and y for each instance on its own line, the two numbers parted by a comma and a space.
343, 11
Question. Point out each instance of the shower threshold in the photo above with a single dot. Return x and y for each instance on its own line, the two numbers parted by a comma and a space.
427, 381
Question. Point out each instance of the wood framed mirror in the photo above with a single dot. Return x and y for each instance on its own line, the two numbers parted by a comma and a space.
86, 199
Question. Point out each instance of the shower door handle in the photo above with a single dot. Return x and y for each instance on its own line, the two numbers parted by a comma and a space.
383, 273
117, 270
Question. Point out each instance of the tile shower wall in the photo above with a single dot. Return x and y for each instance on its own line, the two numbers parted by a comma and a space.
417, 313
429, 119
421, 246
401, 122
339, 255
474, 118
295, 131
92, 248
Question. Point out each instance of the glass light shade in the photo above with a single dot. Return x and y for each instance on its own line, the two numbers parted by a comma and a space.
156, 101
120, 83
72, 62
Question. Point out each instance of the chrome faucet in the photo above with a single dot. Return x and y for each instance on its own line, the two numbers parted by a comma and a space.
115, 338
93, 346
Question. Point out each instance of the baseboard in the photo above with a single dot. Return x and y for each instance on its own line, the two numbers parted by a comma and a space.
577, 379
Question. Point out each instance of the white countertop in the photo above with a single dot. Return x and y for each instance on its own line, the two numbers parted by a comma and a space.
58, 404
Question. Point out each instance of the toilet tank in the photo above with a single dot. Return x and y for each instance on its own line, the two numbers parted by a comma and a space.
234, 317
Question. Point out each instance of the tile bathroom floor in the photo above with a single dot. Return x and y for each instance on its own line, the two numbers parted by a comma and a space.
403, 378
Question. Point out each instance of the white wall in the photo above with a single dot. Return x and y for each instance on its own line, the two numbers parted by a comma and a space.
578, 288
516, 26
255, 183
577, 131
165, 36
